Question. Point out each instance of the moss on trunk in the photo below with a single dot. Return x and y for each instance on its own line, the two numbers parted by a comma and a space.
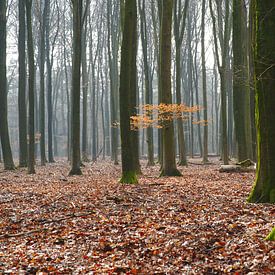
129, 177
271, 236
264, 54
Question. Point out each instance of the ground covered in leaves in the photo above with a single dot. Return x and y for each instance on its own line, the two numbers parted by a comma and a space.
197, 224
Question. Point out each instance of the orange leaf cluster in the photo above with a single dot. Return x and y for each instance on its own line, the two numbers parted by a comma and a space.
159, 116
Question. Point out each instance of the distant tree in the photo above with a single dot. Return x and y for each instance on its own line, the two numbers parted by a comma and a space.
85, 84
114, 32
241, 89
204, 85
75, 116
264, 58
22, 109
221, 33
4, 131
49, 63
31, 160
169, 159
179, 27
43, 19
127, 89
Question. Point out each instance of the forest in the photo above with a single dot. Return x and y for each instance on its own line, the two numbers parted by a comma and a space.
137, 137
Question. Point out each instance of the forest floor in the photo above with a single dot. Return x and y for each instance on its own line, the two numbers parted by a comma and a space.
196, 224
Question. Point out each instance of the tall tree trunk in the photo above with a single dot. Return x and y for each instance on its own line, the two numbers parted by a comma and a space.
204, 86
264, 53
179, 28
169, 162
31, 161
42, 86
4, 130
22, 109
148, 85
49, 84
75, 115
113, 45
85, 83
241, 90
127, 90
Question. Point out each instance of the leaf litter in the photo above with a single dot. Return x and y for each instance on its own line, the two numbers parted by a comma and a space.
196, 224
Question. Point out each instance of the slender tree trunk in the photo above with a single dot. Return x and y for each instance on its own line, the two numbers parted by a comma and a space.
4, 130
85, 83
204, 86
75, 116
42, 86
31, 161
148, 85
22, 111
169, 162
49, 84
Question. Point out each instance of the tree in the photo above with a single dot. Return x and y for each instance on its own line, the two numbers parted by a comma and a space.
169, 162
114, 30
264, 59
75, 116
4, 131
31, 153
42, 83
49, 81
127, 89
223, 34
204, 86
179, 27
241, 90
23, 146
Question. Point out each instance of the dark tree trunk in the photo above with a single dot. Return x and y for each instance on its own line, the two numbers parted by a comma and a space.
22, 109
42, 86
31, 162
264, 53
204, 87
75, 116
127, 90
49, 84
148, 84
241, 90
169, 162
85, 83
4, 130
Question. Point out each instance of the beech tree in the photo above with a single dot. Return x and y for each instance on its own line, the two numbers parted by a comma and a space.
31, 151
43, 19
241, 90
75, 116
4, 130
127, 90
169, 162
22, 109
179, 28
264, 59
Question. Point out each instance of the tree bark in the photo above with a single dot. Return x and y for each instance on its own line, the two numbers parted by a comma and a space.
75, 115
4, 130
264, 56
31, 153
127, 90
22, 109
241, 90
169, 163
42, 86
